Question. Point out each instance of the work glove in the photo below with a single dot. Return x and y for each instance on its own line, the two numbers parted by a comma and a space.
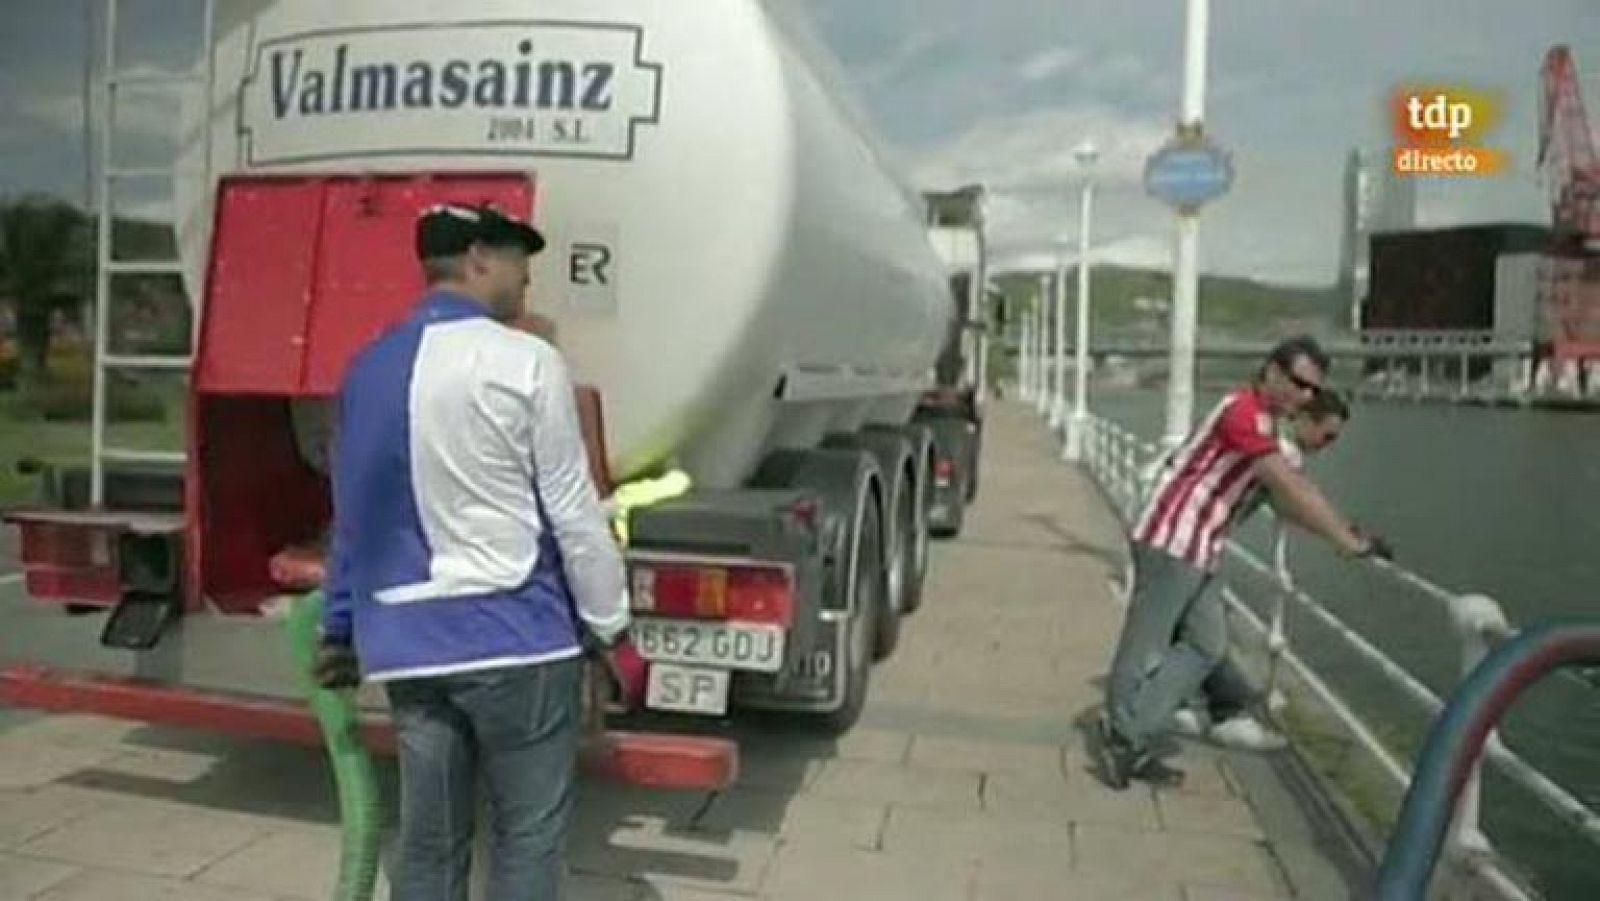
336, 666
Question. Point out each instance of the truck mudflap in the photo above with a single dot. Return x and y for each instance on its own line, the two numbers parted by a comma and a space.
654, 760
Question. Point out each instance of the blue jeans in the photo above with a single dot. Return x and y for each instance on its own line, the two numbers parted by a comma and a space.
1174, 635
1227, 692
517, 728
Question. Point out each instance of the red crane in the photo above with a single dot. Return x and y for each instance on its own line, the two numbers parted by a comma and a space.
1571, 171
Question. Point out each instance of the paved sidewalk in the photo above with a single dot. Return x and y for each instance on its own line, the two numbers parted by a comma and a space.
968, 778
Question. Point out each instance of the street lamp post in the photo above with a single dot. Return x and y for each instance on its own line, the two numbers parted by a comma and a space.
1025, 356
1185, 289
1058, 374
1041, 337
1078, 425
1039, 340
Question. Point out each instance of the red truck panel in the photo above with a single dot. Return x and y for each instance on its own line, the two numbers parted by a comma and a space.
253, 331
306, 270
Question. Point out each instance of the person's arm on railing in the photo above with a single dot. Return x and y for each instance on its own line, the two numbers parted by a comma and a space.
1298, 498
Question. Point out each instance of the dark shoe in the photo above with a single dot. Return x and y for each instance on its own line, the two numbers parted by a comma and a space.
1113, 755
1153, 770
1120, 763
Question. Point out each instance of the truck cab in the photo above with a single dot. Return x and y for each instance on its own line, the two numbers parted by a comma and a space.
953, 410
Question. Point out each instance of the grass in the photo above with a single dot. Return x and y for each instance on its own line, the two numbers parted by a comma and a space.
66, 443
1346, 768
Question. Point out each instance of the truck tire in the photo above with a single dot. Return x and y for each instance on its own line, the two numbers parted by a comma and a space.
893, 453
921, 475
866, 587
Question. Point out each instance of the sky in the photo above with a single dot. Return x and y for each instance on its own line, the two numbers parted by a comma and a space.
1002, 91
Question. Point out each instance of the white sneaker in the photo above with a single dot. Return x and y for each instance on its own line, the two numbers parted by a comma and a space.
1247, 734
1187, 723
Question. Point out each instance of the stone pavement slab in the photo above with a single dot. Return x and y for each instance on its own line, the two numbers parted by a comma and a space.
27, 877
967, 779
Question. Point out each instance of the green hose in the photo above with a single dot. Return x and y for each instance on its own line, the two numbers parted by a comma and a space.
360, 807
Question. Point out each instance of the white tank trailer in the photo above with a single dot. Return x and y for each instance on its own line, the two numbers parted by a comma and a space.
731, 262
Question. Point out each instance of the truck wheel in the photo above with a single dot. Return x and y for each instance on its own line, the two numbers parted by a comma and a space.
866, 597
897, 563
919, 475
894, 453
921, 544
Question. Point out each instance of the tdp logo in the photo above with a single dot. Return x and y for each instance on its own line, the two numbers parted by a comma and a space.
1440, 131
1439, 114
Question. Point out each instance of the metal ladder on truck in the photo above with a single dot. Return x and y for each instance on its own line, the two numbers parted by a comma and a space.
113, 78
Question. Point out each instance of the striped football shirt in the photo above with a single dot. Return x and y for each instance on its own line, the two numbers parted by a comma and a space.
1206, 479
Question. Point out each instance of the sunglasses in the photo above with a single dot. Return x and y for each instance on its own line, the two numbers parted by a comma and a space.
1304, 384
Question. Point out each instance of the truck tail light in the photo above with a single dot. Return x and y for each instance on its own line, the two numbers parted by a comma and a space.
69, 562
761, 595
758, 594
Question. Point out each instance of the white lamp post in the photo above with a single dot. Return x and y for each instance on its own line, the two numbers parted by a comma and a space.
1025, 356
1057, 406
1185, 289
1041, 337
1078, 425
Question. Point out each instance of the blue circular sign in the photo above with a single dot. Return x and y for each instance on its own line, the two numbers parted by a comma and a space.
1188, 173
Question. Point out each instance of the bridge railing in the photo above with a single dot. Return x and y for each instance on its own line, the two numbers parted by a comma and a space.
1123, 465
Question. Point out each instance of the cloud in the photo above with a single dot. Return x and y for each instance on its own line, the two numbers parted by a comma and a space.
143, 111
1034, 149
1140, 251
916, 51
1049, 63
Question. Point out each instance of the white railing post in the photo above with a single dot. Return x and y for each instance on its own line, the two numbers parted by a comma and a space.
1478, 621
1130, 471
1277, 641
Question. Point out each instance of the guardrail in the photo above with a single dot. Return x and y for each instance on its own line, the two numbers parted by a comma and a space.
1122, 463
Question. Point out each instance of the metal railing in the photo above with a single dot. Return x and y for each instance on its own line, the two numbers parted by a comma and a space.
1123, 465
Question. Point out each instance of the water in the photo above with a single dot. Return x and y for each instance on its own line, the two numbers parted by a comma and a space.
1500, 502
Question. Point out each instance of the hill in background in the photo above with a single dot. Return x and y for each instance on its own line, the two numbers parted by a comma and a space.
1131, 304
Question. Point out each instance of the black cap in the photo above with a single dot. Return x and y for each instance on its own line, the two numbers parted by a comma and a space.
449, 229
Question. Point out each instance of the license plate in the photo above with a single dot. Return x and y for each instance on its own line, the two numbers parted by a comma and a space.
687, 689
748, 646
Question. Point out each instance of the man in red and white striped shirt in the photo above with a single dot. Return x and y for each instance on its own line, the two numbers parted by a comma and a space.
1175, 630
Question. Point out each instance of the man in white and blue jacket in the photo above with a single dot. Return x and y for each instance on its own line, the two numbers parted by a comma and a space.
470, 560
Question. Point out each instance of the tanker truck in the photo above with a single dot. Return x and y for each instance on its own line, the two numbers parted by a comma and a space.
746, 292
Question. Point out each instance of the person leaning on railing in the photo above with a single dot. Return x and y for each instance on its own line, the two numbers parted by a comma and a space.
1222, 709
1175, 630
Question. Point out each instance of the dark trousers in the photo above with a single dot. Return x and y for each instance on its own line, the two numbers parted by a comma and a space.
1227, 691
516, 729
1173, 635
